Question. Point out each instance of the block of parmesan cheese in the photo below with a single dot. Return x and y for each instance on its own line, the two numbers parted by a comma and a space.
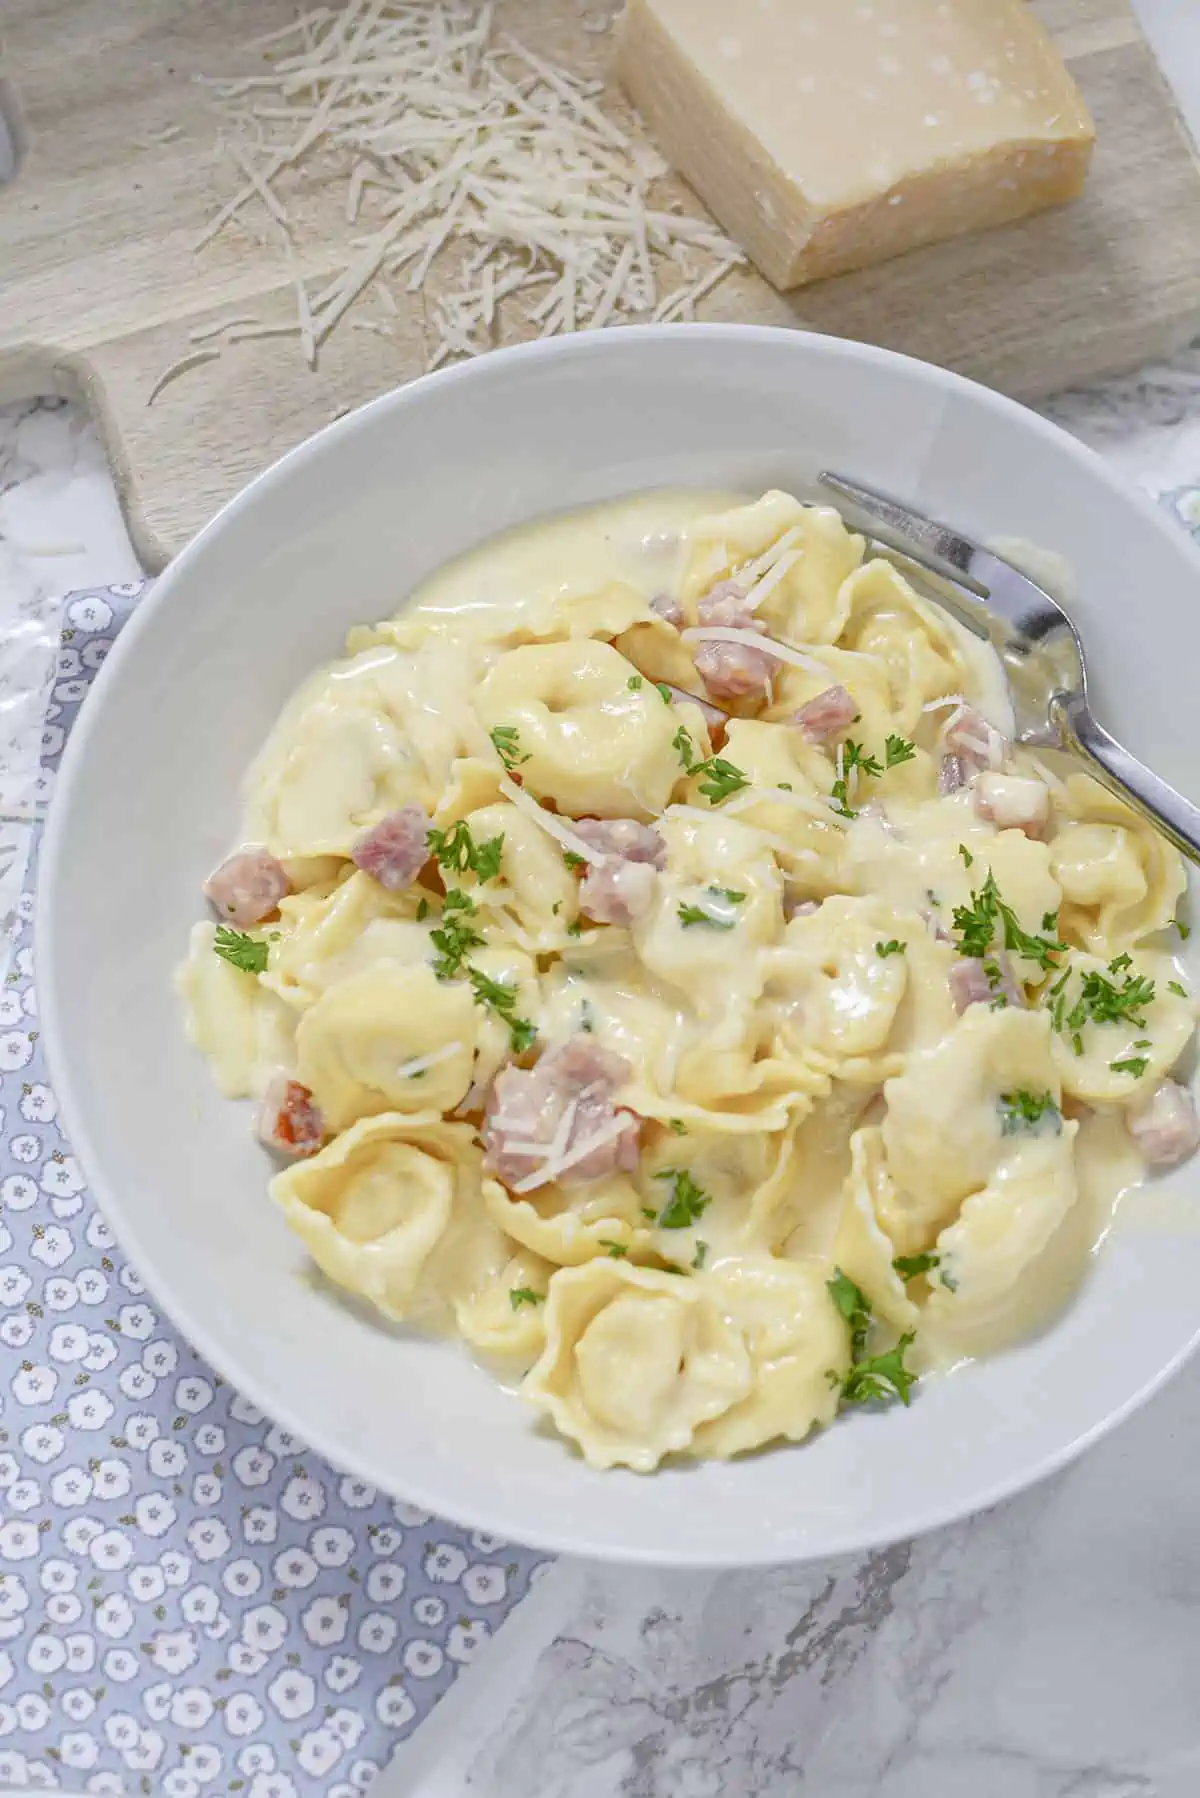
829, 134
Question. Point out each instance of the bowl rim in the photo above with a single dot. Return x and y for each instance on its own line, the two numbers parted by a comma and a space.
189, 1320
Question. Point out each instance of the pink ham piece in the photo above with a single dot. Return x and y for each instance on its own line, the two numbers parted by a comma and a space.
540, 1120
735, 671
248, 887
728, 606
668, 608
394, 851
620, 889
288, 1119
969, 983
827, 717
1013, 802
976, 743
1165, 1127
952, 775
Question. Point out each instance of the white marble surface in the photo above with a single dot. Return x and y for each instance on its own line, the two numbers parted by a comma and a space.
1050, 1649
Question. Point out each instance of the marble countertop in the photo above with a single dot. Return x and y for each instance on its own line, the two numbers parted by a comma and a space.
1049, 1649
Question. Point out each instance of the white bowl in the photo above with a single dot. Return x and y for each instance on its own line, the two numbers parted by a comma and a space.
340, 531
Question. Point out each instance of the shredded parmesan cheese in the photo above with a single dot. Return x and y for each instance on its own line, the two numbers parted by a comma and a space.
465, 164
421, 1064
802, 802
550, 823
555, 1170
719, 633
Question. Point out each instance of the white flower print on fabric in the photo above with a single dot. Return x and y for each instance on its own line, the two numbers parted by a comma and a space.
188, 1596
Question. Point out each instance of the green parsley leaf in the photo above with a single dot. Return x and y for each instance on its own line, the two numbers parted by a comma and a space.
977, 925
524, 1295
587, 1017
575, 929
898, 750
246, 953
1050, 921
968, 858
852, 1304
617, 1250
719, 778
457, 849
455, 938
422, 911
1135, 1065
696, 914
1023, 1110
785, 786
503, 1001
1102, 1001
701, 1255
895, 947
910, 1267
1119, 963
685, 749
854, 760
572, 860
664, 692
634, 683
650, 1214
881, 1378
1173, 986
679, 1127
687, 1202
1185, 930
507, 745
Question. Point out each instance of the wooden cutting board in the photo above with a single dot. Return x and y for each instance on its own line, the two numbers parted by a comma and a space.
100, 287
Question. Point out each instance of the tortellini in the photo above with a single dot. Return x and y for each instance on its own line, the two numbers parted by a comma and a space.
584, 737
705, 1047
373, 1206
389, 1038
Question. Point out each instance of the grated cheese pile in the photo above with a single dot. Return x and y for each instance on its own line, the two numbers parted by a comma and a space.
478, 168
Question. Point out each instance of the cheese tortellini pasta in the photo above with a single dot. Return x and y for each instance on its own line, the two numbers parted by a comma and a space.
655, 965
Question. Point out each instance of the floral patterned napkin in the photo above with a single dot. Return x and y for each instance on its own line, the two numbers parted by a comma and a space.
191, 1601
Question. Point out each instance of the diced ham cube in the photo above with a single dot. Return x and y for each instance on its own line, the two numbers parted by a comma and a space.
984, 982
1165, 1126
668, 608
952, 775
289, 1121
1013, 802
394, 851
828, 716
977, 743
247, 887
726, 605
539, 1119
623, 837
735, 671
617, 892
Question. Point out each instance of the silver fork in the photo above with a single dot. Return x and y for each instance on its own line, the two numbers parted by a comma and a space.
1039, 648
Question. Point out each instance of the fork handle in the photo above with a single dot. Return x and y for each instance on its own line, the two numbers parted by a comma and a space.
1112, 764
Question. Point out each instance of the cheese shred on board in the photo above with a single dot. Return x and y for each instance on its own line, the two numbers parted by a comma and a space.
473, 169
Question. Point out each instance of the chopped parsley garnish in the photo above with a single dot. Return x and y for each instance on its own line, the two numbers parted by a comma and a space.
664, 692
679, 1127
854, 761
687, 1202
911, 1267
719, 778
575, 929
685, 749
587, 1017
696, 914
1101, 1000
898, 750
616, 1250
1023, 1110
572, 860
979, 922
1050, 921
246, 953
456, 848
507, 745
968, 858
524, 1295
871, 1378
1173, 986
881, 1378
701, 1255
422, 911
634, 683
1135, 1065
503, 1001
1185, 930
455, 938
895, 947
650, 1214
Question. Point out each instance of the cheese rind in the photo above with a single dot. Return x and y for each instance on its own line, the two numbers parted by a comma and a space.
827, 135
